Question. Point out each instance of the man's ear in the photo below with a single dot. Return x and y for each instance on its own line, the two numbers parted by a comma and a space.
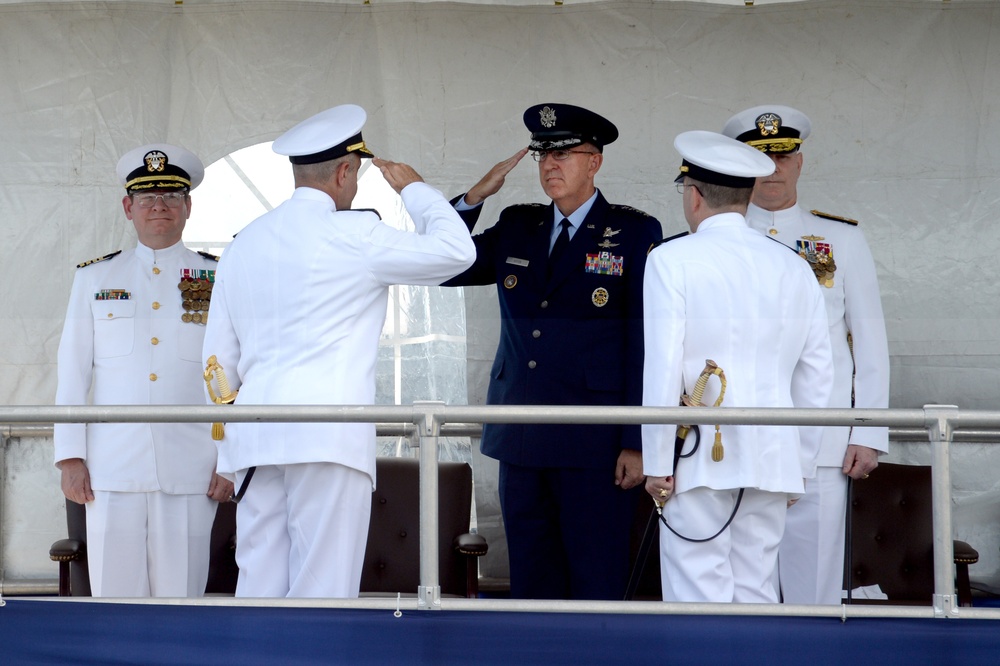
596, 160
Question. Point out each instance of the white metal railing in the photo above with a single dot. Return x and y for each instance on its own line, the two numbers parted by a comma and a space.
430, 420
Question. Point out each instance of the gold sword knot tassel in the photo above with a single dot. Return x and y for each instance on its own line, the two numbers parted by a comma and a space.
694, 400
225, 395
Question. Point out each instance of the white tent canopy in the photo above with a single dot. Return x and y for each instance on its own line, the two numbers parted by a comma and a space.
904, 97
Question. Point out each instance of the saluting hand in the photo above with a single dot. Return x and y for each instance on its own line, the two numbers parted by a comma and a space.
397, 174
494, 180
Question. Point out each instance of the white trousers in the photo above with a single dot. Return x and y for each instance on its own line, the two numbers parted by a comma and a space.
811, 557
738, 565
301, 531
148, 544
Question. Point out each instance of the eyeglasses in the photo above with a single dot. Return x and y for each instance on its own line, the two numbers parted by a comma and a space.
558, 155
680, 187
148, 199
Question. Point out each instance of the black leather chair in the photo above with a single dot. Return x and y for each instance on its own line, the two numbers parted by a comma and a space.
392, 558
892, 540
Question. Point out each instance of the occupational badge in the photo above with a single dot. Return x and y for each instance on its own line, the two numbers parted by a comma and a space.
604, 263
156, 161
599, 297
606, 244
820, 258
547, 116
608, 232
196, 294
768, 124
510, 281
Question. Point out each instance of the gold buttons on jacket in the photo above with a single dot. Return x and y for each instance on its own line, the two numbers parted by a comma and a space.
156, 305
152, 376
155, 341
532, 364
156, 271
772, 231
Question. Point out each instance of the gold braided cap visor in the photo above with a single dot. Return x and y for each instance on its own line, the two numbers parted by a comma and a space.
783, 145
160, 182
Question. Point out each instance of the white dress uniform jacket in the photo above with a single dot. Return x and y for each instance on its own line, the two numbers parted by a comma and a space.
135, 351
853, 307
728, 294
297, 310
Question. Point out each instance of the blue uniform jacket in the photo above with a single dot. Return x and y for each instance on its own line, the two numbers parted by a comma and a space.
573, 339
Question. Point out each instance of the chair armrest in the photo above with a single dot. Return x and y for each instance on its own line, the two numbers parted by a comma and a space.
470, 544
67, 550
964, 553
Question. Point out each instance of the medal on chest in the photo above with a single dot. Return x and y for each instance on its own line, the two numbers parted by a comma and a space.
819, 254
196, 294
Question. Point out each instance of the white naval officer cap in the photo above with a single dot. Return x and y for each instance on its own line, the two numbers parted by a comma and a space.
771, 128
720, 160
159, 166
326, 136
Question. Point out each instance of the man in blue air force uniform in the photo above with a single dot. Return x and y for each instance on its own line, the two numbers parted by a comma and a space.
569, 281
133, 335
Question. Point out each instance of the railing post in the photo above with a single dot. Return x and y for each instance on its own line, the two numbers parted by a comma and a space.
939, 420
428, 430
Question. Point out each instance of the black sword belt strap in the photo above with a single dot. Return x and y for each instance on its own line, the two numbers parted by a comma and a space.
243, 486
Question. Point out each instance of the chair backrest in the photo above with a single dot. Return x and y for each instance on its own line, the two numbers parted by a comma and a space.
392, 558
892, 538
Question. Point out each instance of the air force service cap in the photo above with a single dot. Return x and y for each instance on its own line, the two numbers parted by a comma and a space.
719, 160
770, 128
326, 136
159, 166
560, 126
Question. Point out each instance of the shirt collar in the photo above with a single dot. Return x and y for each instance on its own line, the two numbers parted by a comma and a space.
577, 217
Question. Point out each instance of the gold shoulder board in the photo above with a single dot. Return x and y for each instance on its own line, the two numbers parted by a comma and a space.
836, 218
94, 261
209, 256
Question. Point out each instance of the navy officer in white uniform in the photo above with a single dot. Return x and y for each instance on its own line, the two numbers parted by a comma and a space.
298, 307
811, 561
728, 294
133, 336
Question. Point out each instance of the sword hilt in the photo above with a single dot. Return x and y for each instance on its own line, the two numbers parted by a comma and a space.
694, 400
225, 396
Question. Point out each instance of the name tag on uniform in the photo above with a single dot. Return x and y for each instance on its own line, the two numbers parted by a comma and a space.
517, 262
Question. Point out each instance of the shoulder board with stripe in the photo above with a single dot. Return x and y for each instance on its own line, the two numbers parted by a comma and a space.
629, 209
367, 210
835, 218
660, 242
208, 256
99, 259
